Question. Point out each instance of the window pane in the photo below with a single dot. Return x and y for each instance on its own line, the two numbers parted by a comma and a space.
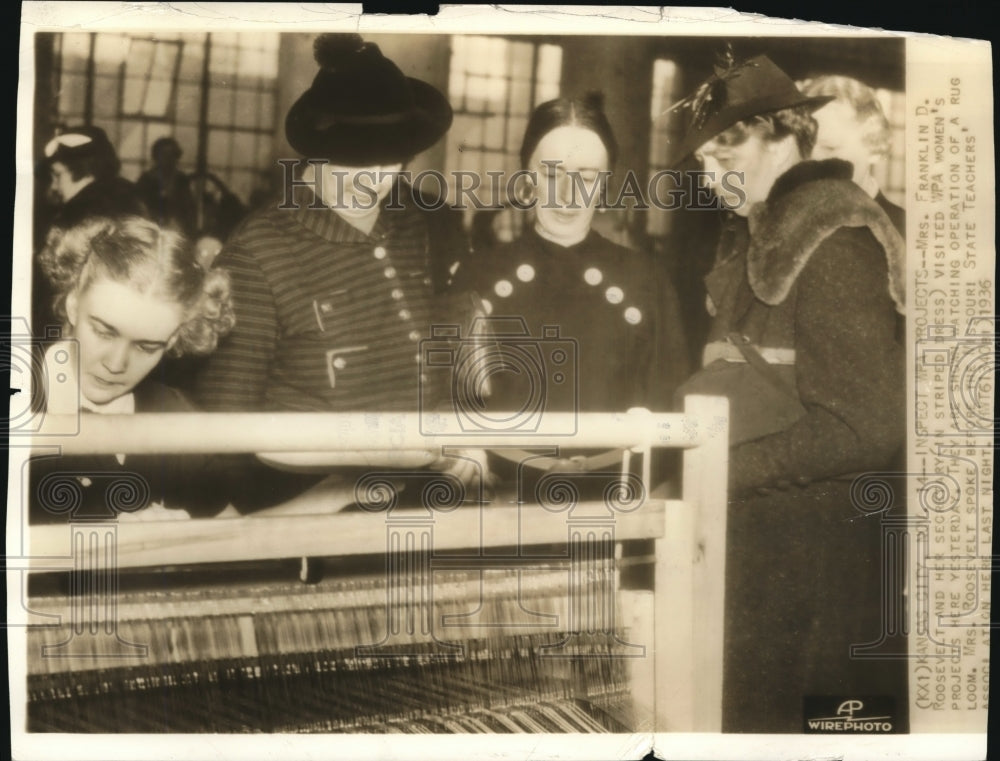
496, 94
493, 136
225, 38
459, 54
515, 133
265, 151
219, 148
246, 108
265, 114
188, 103
243, 149
110, 52
456, 84
165, 57
476, 60
157, 99
106, 96
75, 51
497, 53
520, 97
490, 86
133, 95
192, 60
223, 62
187, 138
664, 73
269, 41
252, 64
549, 64
140, 58
72, 92
546, 91
476, 90
521, 56
220, 105
131, 144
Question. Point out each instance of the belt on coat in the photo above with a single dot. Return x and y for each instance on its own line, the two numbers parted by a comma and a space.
729, 352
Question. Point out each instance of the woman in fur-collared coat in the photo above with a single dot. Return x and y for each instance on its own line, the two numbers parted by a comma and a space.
809, 275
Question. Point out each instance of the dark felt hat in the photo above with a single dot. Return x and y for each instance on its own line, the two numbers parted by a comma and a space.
740, 91
361, 110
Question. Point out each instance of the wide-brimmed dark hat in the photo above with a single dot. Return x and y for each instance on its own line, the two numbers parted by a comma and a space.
361, 110
740, 91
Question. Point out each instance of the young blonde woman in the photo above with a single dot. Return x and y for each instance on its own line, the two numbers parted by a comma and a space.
128, 294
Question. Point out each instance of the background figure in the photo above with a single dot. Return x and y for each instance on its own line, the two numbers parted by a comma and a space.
83, 169
166, 190
85, 181
803, 343
853, 127
221, 210
128, 293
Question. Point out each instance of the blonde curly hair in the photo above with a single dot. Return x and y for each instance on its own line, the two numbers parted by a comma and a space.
156, 261
867, 109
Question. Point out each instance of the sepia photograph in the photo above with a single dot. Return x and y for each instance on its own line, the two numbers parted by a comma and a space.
498, 374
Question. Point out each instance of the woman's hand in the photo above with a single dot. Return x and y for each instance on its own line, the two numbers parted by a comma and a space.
467, 465
154, 513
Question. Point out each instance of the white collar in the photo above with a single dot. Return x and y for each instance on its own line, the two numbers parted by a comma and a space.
122, 405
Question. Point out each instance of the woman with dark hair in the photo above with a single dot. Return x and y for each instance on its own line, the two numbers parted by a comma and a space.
84, 169
562, 273
574, 289
84, 181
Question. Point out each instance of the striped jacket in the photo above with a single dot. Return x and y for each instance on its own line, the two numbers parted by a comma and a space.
329, 318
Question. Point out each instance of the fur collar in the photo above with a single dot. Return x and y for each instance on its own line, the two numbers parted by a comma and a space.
807, 205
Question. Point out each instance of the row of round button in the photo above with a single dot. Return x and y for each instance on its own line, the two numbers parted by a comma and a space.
592, 276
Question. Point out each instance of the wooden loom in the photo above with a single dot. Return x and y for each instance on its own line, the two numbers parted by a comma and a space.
450, 634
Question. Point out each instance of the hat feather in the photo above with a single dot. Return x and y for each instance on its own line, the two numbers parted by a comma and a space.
333, 50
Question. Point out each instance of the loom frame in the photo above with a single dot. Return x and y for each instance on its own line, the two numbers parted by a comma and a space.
689, 533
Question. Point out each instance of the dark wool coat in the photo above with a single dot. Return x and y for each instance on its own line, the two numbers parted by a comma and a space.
819, 270
611, 306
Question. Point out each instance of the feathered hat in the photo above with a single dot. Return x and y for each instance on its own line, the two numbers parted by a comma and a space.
361, 110
737, 91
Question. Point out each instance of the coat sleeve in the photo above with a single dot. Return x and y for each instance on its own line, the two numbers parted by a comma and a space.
235, 376
849, 373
